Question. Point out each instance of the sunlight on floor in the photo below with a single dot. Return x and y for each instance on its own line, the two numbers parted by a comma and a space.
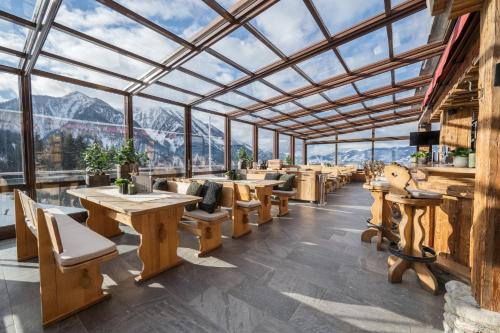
366, 317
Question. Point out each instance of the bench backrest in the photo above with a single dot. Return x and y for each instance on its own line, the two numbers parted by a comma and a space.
32, 219
399, 177
227, 197
29, 210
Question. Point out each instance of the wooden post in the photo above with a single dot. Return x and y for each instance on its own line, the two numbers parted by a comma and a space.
227, 143
129, 118
304, 152
485, 235
188, 160
255, 144
292, 149
27, 135
276, 149
373, 144
336, 149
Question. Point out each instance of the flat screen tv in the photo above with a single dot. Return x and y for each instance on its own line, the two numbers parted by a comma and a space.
424, 138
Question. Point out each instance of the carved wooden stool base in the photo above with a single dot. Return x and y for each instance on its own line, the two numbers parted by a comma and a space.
381, 220
411, 253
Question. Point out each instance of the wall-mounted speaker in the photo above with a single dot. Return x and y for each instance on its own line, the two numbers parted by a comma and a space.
497, 75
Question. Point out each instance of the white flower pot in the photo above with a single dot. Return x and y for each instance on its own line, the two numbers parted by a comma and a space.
460, 161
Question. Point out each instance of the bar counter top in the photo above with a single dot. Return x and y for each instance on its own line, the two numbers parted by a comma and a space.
444, 168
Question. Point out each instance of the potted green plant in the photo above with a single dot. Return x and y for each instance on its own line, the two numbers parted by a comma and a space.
128, 160
460, 157
288, 160
420, 157
122, 184
230, 174
96, 160
242, 158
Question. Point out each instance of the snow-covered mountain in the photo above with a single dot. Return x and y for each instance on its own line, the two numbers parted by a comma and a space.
87, 119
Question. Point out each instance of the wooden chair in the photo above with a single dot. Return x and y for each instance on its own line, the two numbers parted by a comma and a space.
244, 203
282, 200
208, 227
69, 258
410, 251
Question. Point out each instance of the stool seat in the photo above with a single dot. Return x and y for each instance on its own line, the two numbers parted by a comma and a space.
381, 183
421, 194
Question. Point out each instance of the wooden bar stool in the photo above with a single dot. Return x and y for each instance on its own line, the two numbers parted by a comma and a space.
381, 221
410, 251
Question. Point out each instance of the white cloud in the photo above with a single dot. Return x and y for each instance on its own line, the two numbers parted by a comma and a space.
289, 25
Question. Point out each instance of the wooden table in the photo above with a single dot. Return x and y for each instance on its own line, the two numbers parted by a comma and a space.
263, 190
154, 217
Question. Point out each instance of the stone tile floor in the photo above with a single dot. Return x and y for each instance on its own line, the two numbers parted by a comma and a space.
306, 272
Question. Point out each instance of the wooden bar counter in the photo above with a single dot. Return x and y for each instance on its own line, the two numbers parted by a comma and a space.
449, 225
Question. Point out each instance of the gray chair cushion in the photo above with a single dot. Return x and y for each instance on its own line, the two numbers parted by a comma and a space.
211, 194
421, 194
272, 176
160, 184
248, 204
288, 185
291, 193
79, 243
205, 216
195, 189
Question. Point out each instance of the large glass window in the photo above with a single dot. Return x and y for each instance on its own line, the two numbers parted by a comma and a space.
284, 146
207, 142
324, 153
354, 153
159, 130
66, 119
11, 157
265, 145
241, 138
299, 156
394, 151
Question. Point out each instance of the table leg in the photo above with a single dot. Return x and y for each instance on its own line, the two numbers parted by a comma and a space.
264, 195
159, 241
98, 220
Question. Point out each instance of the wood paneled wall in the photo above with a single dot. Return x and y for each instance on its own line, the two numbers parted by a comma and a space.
456, 128
486, 222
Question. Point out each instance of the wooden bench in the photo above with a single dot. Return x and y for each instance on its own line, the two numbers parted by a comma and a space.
69, 258
205, 226
245, 202
282, 200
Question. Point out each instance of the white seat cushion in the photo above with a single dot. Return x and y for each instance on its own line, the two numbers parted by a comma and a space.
205, 216
248, 204
380, 183
421, 194
182, 187
79, 243
285, 193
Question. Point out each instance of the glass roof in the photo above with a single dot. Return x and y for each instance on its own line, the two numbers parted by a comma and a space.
287, 80
22, 8
188, 82
184, 18
101, 22
213, 68
242, 47
341, 92
214, 61
365, 50
296, 26
374, 82
347, 13
322, 67
13, 36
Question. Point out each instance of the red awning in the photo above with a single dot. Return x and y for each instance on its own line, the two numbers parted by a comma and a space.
457, 32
